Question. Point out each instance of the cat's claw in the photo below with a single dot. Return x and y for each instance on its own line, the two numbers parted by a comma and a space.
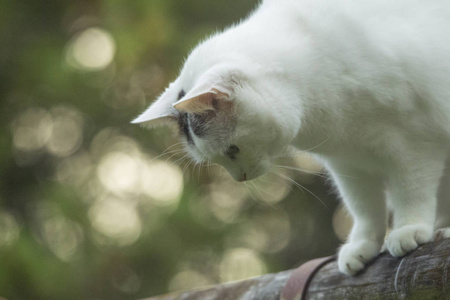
407, 238
354, 256
441, 233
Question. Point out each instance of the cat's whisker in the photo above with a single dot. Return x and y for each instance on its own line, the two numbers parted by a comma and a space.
249, 189
178, 161
186, 167
166, 152
174, 145
288, 180
199, 167
250, 192
251, 186
194, 166
319, 174
289, 154
208, 163
286, 156
268, 182
258, 190
208, 168
322, 174
317, 146
301, 187
181, 160
282, 180
171, 147
175, 154
295, 153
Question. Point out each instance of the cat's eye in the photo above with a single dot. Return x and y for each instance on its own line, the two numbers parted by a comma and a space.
232, 151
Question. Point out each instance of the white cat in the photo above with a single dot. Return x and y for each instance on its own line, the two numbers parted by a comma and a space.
365, 84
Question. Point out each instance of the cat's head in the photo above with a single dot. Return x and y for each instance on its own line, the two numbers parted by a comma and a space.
227, 113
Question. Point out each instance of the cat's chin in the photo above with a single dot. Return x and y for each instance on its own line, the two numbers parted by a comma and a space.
248, 175
244, 177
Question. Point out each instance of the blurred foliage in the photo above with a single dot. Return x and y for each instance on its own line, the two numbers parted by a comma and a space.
88, 209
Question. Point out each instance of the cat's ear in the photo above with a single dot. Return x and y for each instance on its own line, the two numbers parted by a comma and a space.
205, 96
161, 112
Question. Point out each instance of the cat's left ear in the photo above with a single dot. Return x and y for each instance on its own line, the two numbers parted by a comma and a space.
161, 112
206, 95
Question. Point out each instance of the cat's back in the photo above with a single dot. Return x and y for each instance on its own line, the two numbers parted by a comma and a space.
397, 25
373, 15
397, 51
365, 9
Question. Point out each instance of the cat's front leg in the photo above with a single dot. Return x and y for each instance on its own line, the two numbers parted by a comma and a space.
412, 192
363, 196
442, 224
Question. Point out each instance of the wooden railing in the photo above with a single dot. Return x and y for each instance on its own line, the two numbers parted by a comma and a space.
422, 274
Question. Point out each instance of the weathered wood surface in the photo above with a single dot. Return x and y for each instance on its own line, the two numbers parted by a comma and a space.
423, 274
266, 287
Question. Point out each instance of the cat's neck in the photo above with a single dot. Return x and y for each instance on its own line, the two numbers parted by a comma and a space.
304, 75
321, 69
291, 59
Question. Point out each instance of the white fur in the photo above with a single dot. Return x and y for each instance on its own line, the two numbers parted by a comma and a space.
366, 80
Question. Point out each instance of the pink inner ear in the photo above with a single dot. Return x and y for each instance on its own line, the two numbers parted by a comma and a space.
220, 94
197, 104
204, 96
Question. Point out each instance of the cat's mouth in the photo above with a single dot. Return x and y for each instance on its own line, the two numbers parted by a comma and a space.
242, 177
239, 176
245, 168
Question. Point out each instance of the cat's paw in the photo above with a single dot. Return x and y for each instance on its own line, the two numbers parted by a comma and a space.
441, 233
354, 256
408, 238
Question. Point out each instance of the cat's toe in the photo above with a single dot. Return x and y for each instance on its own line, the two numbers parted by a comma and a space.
441, 233
407, 238
355, 255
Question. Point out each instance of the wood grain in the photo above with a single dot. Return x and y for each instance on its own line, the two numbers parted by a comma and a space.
422, 274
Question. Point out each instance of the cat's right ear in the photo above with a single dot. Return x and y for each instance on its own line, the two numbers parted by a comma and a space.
211, 92
160, 112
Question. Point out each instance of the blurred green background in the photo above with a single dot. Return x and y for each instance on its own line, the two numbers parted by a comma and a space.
90, 209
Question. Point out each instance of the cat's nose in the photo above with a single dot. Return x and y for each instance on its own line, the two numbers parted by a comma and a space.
243, 177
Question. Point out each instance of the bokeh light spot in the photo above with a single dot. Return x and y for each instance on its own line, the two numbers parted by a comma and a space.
162, 182
119, 172
31, 129
222, 202
59, 131
265, 232
76, 169
241, 263
67, 132
188, 279
225, 206
91, 50
9, 229
62, 236
116, 219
